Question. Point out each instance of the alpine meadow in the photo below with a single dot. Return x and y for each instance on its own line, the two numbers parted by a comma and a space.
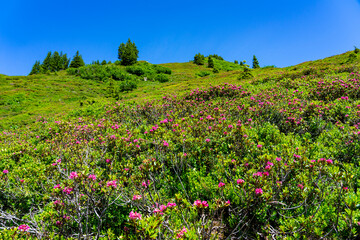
207, 148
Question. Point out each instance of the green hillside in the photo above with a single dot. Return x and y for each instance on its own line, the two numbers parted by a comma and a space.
97, 152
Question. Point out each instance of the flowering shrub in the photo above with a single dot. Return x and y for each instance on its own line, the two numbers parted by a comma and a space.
278, 160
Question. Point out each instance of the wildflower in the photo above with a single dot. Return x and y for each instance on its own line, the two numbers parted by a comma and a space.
57, 186
221, 184
207, 140
22, 180
259, 146
200, 204
73, 175
108, 160
181, 233
24, 228
6, 171
258, 191
170, 205
67, 190
240, 181
329, 161
166, 144
136, 197
92, 177
134, 215
228, 202
111, 184
301, 186
278, 159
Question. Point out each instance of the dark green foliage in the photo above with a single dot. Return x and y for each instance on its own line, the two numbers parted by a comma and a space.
210, 63
215, 56
161, 69
77, 61
109, 62
128, 53
162, 78
242, 63
46, 65
36, 68
352, 58
55, 62
236, 62
64, 61
127, 86
199, 59
245, 74
270, 66
103, 62
356, 50
255, 62
216, 70
137, 70
202, 73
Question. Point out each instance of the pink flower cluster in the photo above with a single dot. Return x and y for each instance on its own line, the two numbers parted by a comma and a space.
111, 184
134, 215
136, 197
73, 175
221, 184
240, 181
258, 191
92, 177
6, 171
67, 190
200, 204
24, 228
181, 233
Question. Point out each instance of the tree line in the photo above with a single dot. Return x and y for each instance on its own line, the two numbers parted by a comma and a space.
56, 61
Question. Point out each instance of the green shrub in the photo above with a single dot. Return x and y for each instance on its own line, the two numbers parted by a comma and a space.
161, 69
210, 63
215, 56
127, 86
199, 59
356, 50
202, 73
352, 58
162, 78
246, 73
216, 70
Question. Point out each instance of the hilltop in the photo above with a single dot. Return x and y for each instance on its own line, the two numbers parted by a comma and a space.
24, 98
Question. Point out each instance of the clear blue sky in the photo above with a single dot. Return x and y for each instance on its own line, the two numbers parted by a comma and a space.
278, 32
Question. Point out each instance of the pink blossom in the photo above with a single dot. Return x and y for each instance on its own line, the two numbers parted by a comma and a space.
22, 180
329, 161
240, 181
181, 233
166, 144
111, 184
301, 186
6, 171
136, 197
57, 186
258, 174
170, 205
134, 215
268, 167
270, 164
278, 159
221, 184
67, 190
207, 140
92, 177
259, 146
228, 202
200, 204
73, 175
258, 191
108, 160
24, 228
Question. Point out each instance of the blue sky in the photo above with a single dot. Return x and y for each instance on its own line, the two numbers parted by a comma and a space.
278, 32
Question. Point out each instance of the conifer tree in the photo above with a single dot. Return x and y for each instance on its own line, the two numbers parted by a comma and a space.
36, 68
103, 62
199, 59
236, 62
210, 62
55, 64
46, 65
255, 63
128, 53
77, 61
64, 61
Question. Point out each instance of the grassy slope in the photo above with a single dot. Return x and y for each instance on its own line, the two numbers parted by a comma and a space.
23, 98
